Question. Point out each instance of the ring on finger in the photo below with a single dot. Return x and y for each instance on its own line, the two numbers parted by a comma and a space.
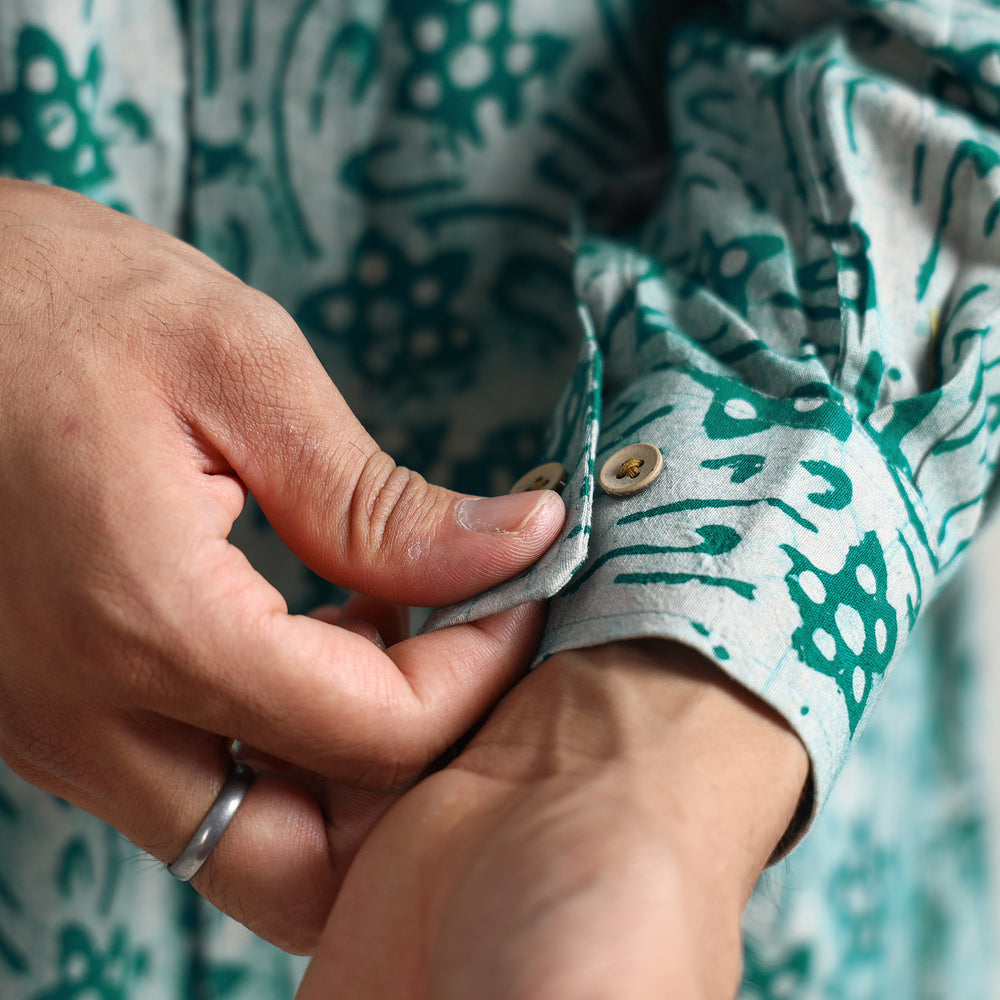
214, 825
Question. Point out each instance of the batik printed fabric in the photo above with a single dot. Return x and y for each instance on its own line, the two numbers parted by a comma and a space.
766, 242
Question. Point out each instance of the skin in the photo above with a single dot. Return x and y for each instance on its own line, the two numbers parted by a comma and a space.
143, 391
597, 839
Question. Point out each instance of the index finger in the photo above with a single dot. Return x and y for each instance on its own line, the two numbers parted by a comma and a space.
327, 699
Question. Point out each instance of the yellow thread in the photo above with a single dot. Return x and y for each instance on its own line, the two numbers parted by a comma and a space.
538, 484
630, 467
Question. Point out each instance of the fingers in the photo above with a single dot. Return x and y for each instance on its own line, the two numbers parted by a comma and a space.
155, 780
224, 655
377, 621
217, 650
339, 502
225, 659
279, 864
327, 699
383, 623
205, 640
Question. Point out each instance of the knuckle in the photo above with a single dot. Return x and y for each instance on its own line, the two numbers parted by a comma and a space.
249, 357
217, 331
389, 504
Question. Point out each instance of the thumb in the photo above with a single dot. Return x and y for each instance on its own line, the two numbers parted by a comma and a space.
340, 503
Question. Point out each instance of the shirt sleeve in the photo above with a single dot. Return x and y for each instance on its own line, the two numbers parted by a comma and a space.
804, 326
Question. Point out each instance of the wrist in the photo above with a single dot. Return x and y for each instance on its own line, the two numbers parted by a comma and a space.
722, 772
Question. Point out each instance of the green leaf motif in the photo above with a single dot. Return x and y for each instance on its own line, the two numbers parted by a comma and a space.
983, 159
463, 56
841, 491
848, 629
782, 978
75, 866
86, 972
394, 315
743, 466
738, 411
51, 135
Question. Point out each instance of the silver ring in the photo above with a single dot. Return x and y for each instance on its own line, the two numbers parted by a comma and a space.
214, 825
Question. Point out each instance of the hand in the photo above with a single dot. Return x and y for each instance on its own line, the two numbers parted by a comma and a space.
143, 391
598, 838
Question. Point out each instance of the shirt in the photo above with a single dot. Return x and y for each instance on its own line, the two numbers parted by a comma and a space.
762, 238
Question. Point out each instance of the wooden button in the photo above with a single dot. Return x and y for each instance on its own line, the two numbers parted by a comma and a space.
631, 469
550, 476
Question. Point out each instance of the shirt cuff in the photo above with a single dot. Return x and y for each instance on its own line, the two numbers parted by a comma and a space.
777, 540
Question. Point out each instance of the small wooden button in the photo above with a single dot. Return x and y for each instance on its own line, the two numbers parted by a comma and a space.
631, 469
550, 476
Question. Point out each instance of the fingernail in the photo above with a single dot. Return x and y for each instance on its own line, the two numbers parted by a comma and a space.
500, 514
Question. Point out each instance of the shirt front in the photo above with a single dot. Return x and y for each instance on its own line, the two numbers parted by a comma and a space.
762, 241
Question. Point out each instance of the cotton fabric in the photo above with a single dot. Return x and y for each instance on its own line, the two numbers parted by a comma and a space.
763, 238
